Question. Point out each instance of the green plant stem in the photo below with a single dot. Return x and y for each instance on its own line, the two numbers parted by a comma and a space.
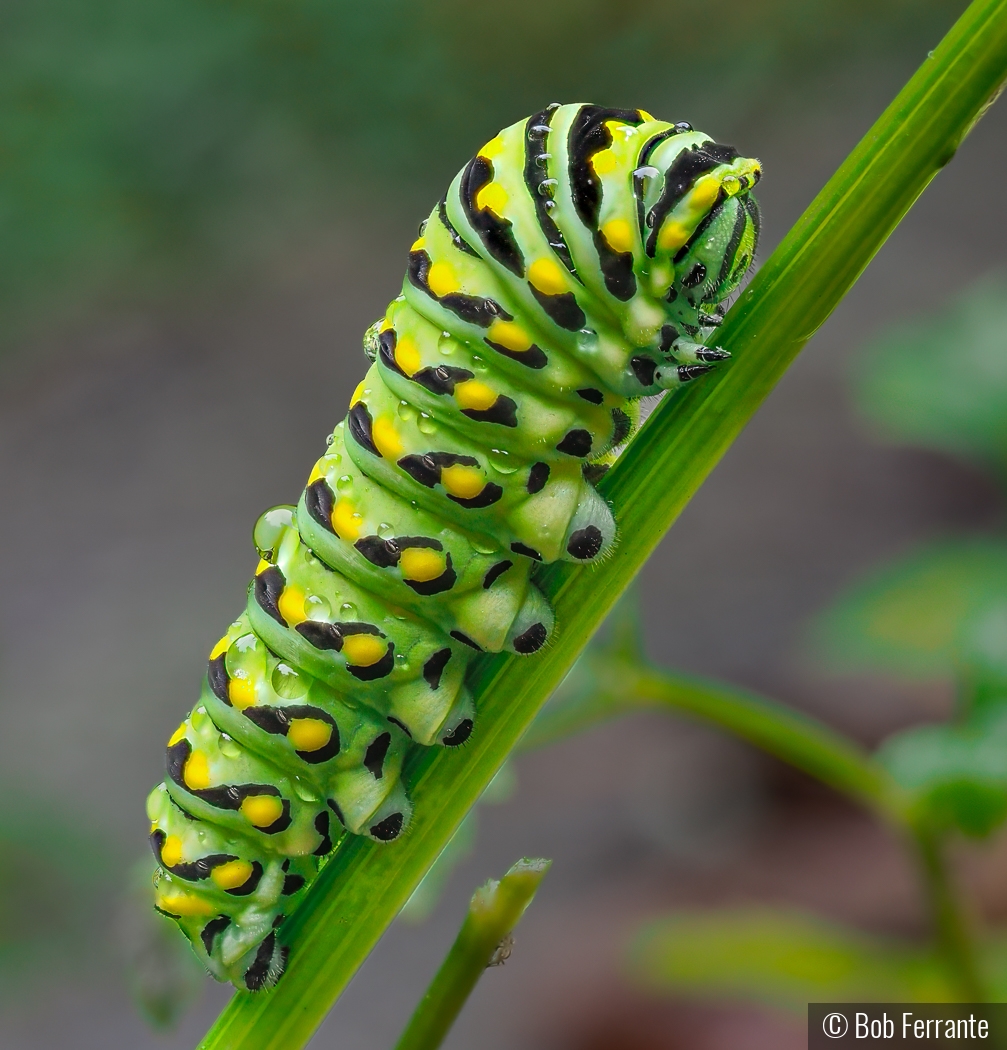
495, 910
952, 928
619, 686
364, 885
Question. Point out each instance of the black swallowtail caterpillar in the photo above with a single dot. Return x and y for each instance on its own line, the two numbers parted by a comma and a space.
576, 263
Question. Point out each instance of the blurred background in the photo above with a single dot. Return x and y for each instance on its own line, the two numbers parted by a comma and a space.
203, 204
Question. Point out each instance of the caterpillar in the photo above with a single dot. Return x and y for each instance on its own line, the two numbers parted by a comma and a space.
577, 263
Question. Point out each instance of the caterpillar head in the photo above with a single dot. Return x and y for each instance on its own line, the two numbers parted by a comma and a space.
716, 261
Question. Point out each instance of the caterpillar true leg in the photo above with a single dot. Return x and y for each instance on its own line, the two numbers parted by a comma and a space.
575, 264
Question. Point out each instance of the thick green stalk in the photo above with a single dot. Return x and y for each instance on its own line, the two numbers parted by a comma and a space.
364, 885
494, 911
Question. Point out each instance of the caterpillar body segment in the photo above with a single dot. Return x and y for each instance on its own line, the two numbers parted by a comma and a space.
575, 264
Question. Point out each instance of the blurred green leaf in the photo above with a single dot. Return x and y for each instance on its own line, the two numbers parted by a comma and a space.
781, 958
956, 774
941, 380
908, 618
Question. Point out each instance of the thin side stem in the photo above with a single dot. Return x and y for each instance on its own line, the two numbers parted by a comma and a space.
949, 917
364, 885
495, 910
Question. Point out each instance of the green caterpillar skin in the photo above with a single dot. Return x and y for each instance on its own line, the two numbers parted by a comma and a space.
574, 265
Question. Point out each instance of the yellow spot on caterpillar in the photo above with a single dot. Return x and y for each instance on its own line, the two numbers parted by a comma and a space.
417, 246
604, 162
547, 277
619, 235
422, 564
386, 438
492, 197
407, 355
475, 395
261, 810
221, 647
233, 873
197, 772
358, 393
672, 236
705, 192
362, 650
442, 279
262, 566
347, 523
386, 322
493, 148
241, 692
171, 851
464, 482
184, 904
291, 604
179, 734
510, 335
316, 472
309, 734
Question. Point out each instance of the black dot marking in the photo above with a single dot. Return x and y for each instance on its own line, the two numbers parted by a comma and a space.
268, 586
669, 333
374, 759
322, 827
318, 502
388, 829
531, 640
502, 411
442, 379
538, 475
334, 806
191, 871
696, 276
616, 268
359, 424
176, 757
459, 734
594, 472
576, 443
250, 884
381, 669
466, 640
643, 369
471, 308
622, 426
562, 309
585, 543
434, 667
382, 553
438, 585
291, 884
276, 720
588, 135
713, 353
456, 238
217, 677
211, 929
257, 975
533, 357
495, 573
279, 921
528, 552
596, 397
323, 636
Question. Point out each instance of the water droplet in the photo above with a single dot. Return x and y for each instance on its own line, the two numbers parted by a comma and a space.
478, 363
345, 483
549, 205
502, 461
402, 661
484, 545
426, 424
385, 531
414, 504
304, 791
270, 527
547, 187
228, 748
287, 682
329, 439
348, 611
246, 643
406, 411
446, 344
199, 720
316, 607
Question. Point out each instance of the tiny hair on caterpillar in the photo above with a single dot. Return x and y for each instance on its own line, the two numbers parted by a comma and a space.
576, 264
